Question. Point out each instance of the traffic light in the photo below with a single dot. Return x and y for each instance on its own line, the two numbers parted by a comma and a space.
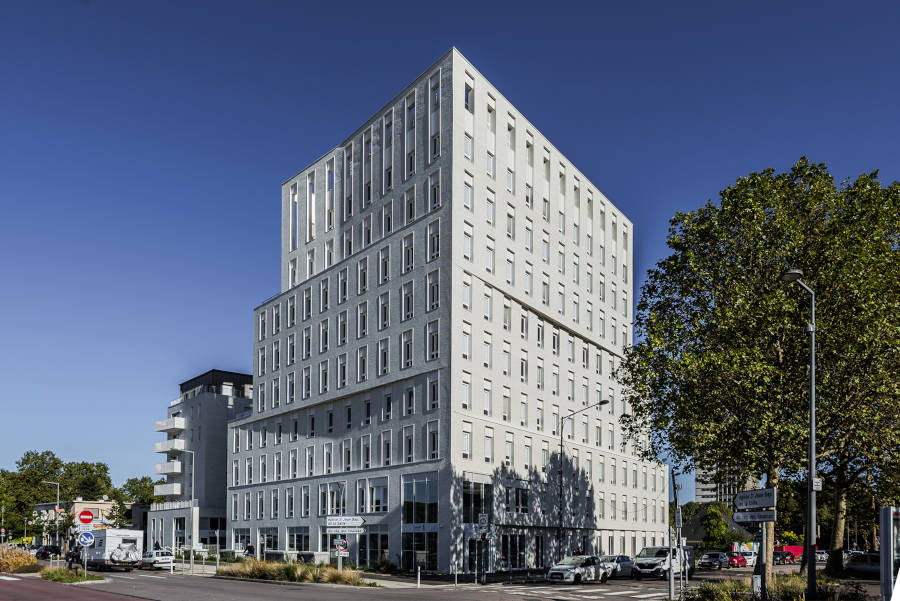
483, 537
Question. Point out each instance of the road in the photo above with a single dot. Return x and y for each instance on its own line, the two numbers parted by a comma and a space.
162, 586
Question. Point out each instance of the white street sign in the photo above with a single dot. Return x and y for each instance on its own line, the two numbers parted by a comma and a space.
343, 553
482, 520
83, 528
754, 499
344, 520
766, 515
345, 530
817, 484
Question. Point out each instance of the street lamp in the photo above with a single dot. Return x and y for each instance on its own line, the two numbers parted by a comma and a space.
56, 510
562, 420
794, 275
191, 510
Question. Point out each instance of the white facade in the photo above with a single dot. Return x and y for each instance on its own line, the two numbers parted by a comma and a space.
446, 297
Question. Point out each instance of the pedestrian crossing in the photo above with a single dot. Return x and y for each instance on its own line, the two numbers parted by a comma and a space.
569, 593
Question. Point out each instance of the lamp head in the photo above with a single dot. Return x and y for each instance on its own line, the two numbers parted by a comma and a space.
603, 402
791, 275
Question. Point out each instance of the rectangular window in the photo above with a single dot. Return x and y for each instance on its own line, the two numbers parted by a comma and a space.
434, 240
406, 344
432, 341
433, 440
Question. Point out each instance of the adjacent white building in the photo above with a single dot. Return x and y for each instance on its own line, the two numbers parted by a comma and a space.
193, 460
452, 287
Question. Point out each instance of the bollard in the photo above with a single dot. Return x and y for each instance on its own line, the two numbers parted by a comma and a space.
455, 577
419, 577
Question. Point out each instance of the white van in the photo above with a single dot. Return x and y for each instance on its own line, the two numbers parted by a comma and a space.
115, 547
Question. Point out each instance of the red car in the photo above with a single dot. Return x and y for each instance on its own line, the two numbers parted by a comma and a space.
736, 560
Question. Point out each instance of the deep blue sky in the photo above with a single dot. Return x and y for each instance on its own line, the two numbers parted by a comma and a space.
142, 148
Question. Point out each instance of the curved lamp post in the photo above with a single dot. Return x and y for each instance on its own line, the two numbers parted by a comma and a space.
794, 275
562, 420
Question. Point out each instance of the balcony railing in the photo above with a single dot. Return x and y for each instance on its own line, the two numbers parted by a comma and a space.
167, 505
170, 467
172, 424
173, 445
167, 490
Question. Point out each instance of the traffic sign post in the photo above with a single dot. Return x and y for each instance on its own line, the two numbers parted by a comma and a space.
340, 545
85, 539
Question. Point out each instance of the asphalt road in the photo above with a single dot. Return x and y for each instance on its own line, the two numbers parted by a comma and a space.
162, 586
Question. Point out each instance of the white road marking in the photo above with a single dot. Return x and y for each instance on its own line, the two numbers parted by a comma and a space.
7, 578
125, 577
149, 576
649, 595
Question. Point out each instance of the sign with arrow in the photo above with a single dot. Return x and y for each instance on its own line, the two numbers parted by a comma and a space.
344, 521
345, 530
756, 499
765, 515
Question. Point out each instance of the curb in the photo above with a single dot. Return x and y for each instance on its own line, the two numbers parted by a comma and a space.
287, 583
87, 582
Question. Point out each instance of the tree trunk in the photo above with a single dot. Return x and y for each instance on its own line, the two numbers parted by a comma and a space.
873, 532
836, 556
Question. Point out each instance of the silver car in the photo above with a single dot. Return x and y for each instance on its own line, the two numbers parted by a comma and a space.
575, 569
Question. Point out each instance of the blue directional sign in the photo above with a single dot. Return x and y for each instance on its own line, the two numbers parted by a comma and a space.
85, 539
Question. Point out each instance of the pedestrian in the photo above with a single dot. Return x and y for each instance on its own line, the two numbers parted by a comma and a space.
156, 546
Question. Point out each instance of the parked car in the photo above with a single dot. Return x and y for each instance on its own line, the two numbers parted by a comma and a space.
779, 558
864, 563
714, 560
575, 569
620, 566
736, 560
156, 560
46, 551
750, 556
821, 555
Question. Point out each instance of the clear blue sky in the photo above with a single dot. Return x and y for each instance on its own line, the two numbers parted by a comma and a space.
142, 148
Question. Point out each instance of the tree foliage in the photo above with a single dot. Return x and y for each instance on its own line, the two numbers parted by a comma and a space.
719, 374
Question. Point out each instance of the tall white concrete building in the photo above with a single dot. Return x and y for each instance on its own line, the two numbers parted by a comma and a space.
451, 287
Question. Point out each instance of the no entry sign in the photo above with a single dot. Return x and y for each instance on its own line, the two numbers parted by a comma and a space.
85, 517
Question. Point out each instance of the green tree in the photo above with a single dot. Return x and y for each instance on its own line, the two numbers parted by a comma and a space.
715, 527
717, 329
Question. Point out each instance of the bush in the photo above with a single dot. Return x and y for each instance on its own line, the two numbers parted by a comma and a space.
291, 572
13, 560
787, 587
67, 575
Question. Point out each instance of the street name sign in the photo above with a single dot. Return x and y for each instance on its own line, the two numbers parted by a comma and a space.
345, 530
765, 515
85, 517
83, 528
85, 539
756, 499
344, 520
343, 553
